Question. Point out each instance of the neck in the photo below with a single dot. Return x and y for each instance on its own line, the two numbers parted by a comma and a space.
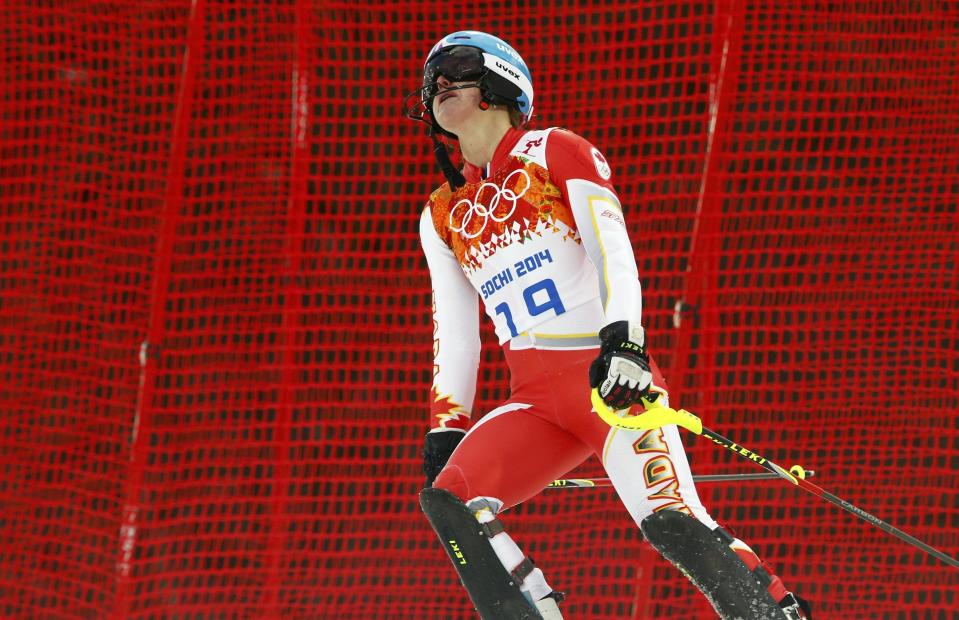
478, 142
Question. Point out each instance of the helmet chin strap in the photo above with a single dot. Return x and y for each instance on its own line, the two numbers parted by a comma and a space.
454, 176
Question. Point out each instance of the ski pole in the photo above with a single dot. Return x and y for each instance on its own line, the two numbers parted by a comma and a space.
657, 415
588, 483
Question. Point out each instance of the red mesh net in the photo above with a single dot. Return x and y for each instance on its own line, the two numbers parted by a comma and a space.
214, 318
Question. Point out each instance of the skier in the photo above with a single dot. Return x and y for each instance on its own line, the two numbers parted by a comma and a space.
532, 225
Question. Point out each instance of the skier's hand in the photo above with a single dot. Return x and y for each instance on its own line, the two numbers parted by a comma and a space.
437, 448
621, 372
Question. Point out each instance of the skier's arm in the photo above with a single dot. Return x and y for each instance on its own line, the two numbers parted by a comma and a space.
621, 372
456, 343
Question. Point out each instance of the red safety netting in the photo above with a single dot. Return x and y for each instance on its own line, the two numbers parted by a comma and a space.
215, 328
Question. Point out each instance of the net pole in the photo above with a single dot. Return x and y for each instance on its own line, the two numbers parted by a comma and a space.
292, 310
726, 40
149, 353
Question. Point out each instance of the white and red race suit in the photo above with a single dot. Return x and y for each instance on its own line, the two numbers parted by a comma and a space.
540, 237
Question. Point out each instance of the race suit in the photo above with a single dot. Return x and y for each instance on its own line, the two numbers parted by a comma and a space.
540, 237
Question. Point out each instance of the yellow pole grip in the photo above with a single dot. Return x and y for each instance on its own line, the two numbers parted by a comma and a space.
655, 416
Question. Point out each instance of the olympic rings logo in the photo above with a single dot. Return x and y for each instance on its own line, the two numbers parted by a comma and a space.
478, 209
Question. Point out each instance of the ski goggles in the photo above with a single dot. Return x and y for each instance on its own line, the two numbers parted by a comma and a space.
457, 64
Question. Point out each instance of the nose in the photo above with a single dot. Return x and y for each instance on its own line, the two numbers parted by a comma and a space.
443, 82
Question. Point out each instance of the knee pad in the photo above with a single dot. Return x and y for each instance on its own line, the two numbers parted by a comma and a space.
705, 557
494, 591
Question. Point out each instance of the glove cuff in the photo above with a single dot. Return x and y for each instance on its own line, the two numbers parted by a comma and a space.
618, 335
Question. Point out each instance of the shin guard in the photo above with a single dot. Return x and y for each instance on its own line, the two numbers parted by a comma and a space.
713, 567
494, 592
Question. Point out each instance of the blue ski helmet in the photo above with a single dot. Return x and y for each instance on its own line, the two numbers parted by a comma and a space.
500, 71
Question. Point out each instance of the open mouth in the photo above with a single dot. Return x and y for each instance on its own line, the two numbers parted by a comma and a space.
445, 96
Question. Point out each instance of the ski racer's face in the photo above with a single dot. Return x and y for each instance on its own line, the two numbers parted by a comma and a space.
454, 106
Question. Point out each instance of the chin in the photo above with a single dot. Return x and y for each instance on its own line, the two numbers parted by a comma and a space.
454, 113
447, 124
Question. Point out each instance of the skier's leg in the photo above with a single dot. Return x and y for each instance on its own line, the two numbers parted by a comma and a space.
494, 591
509, 456
651, 474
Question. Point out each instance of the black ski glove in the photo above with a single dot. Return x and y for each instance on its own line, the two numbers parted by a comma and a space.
437, 449
621, 372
